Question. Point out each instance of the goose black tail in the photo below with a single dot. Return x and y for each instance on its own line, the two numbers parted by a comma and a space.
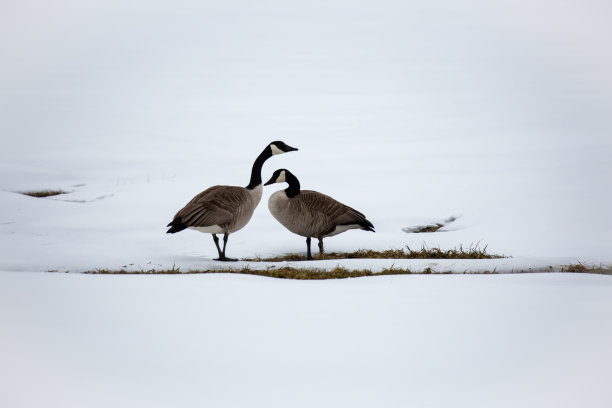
367, 225
176, 225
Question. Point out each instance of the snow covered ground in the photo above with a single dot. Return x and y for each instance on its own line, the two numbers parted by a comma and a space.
527, 340
411, 112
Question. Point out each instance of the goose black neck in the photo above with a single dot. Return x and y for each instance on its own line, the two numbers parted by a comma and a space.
256, 171
294, 185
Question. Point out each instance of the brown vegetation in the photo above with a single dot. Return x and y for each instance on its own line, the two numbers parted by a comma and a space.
473, 252
43, 193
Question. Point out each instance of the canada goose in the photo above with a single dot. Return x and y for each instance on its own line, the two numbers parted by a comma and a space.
226, 209
311, 214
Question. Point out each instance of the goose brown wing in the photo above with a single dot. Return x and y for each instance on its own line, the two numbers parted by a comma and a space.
334, 211
348, 215
317, 203
214, 206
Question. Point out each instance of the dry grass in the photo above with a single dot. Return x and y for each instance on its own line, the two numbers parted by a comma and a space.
582, 268
428, 228
574, 268
472, 252
433, 227
43, 193
284, 272
339, 272
271, 272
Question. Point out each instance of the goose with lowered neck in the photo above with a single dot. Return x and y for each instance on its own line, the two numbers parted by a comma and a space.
311, 214
226, 209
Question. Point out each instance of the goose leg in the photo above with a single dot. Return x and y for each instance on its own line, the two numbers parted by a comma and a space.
216, 239
308, 254
222, 257
321, 251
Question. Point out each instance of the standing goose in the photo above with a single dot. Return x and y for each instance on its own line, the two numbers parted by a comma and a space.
310, 213
226, 209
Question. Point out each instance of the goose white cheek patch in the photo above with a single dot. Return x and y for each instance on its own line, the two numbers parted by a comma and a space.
276, 150
281, 177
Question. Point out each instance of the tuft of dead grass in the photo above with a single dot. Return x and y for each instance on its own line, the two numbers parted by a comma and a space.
43, 193
433, 227
339, 272
574, 268
426, 228
285, 272
472, 252
271, 272
582, 268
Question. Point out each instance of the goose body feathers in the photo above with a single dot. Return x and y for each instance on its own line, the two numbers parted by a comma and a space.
312, 214
226, 209
218, 209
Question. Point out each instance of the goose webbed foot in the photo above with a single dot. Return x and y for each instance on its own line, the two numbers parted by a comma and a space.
225, 259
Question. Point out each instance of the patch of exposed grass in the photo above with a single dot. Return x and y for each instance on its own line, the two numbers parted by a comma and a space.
44, 193
582, 268
427, 228
472, 252
574, 268
285, 272
339, 272
271, 272
433, 227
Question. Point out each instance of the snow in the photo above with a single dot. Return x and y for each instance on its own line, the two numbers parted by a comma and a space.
498, 115
529, 340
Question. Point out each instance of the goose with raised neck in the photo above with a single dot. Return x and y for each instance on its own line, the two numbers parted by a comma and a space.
226, 209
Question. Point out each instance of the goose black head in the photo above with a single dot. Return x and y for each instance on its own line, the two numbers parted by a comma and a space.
285, 176
279, 176
279, 147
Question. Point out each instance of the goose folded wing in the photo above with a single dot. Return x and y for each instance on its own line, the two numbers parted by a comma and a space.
345, 215
332, 210
215, 206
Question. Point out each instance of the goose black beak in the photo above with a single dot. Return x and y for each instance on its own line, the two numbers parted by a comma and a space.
291, 149
271, 181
